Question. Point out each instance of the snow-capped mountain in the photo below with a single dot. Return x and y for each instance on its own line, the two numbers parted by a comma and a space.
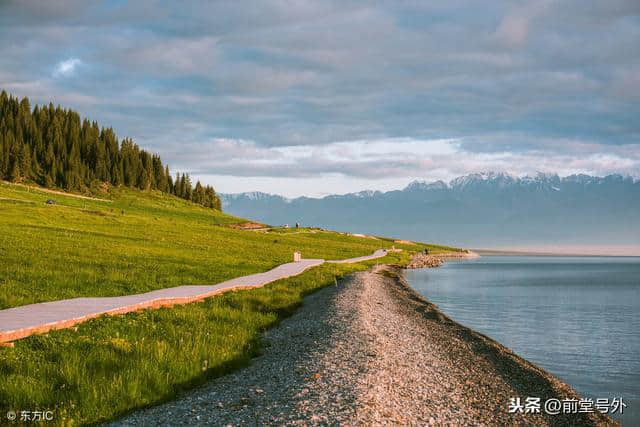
253, 196
480, 209
492, 178
424, 186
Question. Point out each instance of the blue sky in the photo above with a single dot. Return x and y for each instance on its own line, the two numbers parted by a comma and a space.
298, 97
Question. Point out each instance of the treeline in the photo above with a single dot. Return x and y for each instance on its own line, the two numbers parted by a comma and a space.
54, 148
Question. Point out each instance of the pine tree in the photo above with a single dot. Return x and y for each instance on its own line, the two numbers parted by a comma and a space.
3, 169
36, 170
170, 185
25, 164
13, 160
15, 175
50, 167
167, 184
188, 192
182, 187
198, 194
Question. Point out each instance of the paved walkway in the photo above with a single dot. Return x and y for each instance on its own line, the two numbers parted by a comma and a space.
20, 322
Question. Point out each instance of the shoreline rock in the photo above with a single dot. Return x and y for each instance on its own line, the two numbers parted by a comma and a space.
424, 260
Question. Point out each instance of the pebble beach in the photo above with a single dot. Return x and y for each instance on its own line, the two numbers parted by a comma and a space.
371, 351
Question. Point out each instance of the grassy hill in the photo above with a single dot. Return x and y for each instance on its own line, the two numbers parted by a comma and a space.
130, 242
136, 241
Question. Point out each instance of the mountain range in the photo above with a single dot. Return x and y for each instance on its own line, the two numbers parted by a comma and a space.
477, 210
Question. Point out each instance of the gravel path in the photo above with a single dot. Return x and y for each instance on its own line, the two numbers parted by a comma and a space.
370, 351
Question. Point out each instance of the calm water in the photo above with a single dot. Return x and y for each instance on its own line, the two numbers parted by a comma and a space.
577, 317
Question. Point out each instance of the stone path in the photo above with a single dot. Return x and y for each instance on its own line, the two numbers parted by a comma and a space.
20, 322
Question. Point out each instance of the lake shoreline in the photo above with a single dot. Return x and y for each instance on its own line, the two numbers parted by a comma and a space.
527, 379
370, 350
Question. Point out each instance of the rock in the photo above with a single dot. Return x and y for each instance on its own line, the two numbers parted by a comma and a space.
421, 260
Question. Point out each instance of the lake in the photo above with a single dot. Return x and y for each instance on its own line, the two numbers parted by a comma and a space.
576, 317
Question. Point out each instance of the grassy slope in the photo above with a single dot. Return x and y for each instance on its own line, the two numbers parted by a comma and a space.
111, 365
84, 247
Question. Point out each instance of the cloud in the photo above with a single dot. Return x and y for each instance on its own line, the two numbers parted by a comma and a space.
626, 85
67, 67
531, 83
514, 27
404, 158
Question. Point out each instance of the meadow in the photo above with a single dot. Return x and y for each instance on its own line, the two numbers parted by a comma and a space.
133, 242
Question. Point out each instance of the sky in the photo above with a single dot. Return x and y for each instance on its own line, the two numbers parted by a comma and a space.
314, 98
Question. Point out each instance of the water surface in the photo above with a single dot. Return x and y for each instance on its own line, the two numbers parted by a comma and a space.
577, 317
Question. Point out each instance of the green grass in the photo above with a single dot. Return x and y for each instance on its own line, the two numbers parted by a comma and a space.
111, 365
137, 242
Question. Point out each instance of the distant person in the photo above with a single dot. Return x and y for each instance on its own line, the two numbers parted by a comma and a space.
297, 225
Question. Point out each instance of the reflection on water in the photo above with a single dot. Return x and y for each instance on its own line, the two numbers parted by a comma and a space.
577, 317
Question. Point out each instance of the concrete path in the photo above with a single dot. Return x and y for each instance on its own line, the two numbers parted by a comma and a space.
377, 254
20, 322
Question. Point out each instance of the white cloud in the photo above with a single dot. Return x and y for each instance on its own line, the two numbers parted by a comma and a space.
382, 164
67, 67
514, 28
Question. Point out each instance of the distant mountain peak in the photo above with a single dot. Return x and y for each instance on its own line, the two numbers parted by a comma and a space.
366, 193
251, 195
229, 199
483, 177
547, 175
580, 178
358, 195
423, 185
541, 177
463, 181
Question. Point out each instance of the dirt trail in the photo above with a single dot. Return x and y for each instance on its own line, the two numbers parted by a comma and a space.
61, 193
